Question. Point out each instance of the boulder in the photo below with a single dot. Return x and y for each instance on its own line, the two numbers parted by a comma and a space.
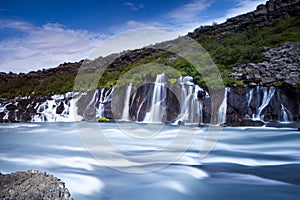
32, 185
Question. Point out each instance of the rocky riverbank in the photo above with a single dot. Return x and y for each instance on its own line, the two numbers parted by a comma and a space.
32, 185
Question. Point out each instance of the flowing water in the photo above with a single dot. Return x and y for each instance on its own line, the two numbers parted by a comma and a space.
125, 114
223, 108
246, 163
268, 94
158, 98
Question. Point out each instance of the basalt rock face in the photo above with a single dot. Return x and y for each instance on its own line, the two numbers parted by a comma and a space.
140, 103
264, 15
180, 103
268, 104
281, 65
32, 185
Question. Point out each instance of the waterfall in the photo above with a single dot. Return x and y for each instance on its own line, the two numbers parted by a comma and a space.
285, 114
195, 109
72, 109
200, 112
267, 96
139, 109
158, 98
198, 106
223, 108
191, 108
249, 96
47, 111
126, 114
100, 107
105, 97
185, 107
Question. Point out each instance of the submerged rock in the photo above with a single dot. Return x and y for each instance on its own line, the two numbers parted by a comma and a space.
32, 185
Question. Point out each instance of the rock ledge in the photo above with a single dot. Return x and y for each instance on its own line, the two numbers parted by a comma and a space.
32, 185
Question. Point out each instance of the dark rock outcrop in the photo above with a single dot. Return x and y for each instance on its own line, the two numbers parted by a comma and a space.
32, 185
281, 65
243, 105
264, 15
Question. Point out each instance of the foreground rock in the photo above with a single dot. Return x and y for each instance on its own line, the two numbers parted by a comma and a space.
32, 185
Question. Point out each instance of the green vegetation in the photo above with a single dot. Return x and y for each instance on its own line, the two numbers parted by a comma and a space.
35, 87
297, 85
103, 119
246, 46
226, 50
277, 84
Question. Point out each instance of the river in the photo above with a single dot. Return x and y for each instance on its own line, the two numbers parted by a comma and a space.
142, 161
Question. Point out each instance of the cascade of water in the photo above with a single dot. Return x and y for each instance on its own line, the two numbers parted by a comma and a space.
158, 98
191, 109
139, 109
185, 108
125, 114
285, 114
223, 108
104, 98
47, 110
249, 96
200, 112
267, 96
92, 104
100, 107
197, 106
2, 107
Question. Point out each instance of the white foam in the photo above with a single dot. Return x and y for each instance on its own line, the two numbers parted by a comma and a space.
81, 184
5, 126
75, 162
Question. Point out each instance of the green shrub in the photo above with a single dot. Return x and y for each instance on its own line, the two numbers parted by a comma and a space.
103, 119
277, 84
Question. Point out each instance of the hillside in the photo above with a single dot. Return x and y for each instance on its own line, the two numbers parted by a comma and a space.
232, 45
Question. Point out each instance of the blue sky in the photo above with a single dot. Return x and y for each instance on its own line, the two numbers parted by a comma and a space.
36, 34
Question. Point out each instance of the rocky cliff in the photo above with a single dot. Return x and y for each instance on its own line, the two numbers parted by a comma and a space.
163, 102
264, 15
280, 65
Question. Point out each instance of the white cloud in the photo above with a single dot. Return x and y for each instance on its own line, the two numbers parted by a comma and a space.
52, 44
16, 25
244, 6
135, 24
44, 47
189, 12
132, 39
190, 16
187, 17
134, 6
